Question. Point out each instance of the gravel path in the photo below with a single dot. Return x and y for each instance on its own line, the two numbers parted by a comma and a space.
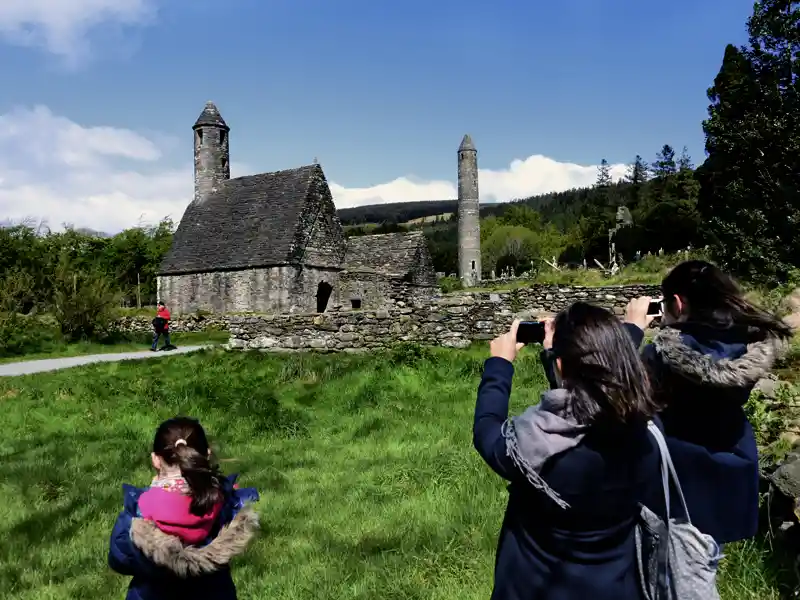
56, 364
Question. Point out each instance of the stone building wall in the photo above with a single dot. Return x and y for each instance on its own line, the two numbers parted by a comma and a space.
285, 289
455, 320
319, 239
376, 290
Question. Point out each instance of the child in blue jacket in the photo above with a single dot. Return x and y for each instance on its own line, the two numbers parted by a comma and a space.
177, 537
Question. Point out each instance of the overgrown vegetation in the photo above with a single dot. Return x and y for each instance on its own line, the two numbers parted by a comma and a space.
77, 280
370, 485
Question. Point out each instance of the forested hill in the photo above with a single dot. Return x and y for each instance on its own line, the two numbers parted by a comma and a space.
397, 212
572, 225
402, 212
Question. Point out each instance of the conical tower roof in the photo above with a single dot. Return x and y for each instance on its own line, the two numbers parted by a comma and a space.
210, 117
466, 144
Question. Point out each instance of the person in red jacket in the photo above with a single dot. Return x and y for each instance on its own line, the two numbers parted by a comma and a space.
161, 327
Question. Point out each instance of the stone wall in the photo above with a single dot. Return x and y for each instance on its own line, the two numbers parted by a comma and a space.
454, 320
179, 324
376, 290
283, 289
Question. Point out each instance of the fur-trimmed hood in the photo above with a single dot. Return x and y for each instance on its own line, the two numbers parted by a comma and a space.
734, 365
168, 551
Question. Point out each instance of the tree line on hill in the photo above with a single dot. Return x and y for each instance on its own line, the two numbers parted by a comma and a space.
570, 226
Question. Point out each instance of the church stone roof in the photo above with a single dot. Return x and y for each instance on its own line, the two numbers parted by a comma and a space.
392, 254
210, 117
250, 222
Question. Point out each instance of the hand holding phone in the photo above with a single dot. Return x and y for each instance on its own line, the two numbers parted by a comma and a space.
531, 332
656, 308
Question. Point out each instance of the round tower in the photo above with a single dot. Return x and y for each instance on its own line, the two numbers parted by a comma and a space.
211, 154
469, 229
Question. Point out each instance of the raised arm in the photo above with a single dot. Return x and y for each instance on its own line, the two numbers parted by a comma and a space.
491, 412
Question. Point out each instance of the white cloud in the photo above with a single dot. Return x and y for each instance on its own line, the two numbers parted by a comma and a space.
107, 179
536, 174
99, 177
63, 27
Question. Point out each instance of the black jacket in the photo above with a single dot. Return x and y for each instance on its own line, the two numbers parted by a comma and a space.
586, 551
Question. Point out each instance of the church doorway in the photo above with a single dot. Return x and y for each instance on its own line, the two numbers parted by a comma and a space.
324, 291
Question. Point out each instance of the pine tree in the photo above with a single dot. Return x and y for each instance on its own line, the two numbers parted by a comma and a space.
750, 182
664, 164
685, 161
637, 171
603, 174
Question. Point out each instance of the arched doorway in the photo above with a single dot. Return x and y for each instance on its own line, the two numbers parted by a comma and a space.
324, 291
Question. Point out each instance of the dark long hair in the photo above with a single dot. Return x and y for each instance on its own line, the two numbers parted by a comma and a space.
200, 474
715, 299
601, 367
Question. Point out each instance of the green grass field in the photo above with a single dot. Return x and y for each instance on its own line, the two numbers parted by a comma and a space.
370, 485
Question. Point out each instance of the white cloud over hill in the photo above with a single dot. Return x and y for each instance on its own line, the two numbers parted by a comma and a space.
64, 27
107, 179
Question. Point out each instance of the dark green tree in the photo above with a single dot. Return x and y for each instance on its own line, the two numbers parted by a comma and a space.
664, 164
603, 174
750, 182
637, 176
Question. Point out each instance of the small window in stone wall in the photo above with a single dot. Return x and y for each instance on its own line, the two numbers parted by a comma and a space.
224, 163
222, 134
355, 303
473, 265
199, 136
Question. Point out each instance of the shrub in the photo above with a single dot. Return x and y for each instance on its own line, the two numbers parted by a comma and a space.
409, 354
85, 303
450, 284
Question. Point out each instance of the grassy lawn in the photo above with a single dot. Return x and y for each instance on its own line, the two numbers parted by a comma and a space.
59, 349
370, 486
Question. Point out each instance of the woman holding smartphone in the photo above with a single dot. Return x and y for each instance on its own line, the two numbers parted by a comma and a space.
712, 348
578, 463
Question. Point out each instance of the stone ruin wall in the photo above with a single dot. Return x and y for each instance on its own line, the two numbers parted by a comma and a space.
376, 290
452, 318
455, 320
284, 289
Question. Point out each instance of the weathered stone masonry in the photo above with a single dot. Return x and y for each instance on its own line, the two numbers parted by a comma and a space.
454, 320
273, 243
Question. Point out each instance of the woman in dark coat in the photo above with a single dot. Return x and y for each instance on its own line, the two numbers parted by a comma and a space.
712, 348
578, 463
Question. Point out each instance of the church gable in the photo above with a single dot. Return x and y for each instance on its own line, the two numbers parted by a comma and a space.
319, 238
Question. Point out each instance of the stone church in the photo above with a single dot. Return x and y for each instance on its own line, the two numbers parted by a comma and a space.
273, 243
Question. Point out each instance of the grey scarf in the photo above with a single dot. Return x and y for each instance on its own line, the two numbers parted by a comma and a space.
539, 433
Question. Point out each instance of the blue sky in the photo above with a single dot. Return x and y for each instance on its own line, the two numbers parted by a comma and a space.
380, 92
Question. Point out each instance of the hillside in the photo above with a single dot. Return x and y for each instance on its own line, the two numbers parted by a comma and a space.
572, 225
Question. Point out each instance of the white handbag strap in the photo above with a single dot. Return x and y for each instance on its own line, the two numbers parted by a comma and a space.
668, 470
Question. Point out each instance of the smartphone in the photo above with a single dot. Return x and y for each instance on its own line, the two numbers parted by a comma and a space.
656, 308
530, 332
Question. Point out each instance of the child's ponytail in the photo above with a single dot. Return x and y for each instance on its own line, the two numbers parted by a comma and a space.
182, 441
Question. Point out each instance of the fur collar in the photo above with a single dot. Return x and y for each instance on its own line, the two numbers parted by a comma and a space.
188, 561
754, 364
